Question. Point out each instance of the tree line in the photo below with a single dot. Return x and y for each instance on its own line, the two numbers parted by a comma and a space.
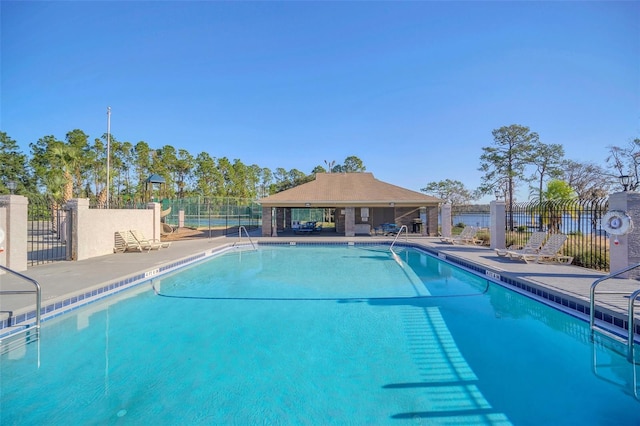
518, 157
76, 168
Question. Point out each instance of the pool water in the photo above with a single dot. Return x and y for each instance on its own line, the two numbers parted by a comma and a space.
318, 335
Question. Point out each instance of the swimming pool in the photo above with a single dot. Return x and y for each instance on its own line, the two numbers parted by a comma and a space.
318, 334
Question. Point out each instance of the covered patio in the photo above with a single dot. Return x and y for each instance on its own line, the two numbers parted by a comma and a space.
357, 202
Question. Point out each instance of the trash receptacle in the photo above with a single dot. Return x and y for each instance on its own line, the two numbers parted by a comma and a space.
417, 225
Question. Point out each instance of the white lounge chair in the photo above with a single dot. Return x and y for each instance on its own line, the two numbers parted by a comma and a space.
533, 245
467, 236
124, 241
152, 244
550, 252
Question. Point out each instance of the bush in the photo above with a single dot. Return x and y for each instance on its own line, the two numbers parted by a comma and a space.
592, 260
484, 236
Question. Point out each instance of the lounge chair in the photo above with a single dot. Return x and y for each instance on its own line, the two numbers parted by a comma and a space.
550, 252
467, 236
124, 241
148, 244
533, 245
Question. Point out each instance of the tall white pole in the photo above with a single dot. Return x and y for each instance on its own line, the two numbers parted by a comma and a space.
108, 149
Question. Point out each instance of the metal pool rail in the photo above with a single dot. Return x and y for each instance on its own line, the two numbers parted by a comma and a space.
13, 340
632, 299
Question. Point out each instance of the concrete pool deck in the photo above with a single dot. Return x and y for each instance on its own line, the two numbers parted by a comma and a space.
564, 285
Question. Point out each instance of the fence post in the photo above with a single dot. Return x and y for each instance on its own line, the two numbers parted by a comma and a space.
181, 219
15, 231
80, 228
445, 215
627, 250
498, 224
157, 212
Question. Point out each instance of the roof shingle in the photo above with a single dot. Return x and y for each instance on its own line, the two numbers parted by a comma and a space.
347, 189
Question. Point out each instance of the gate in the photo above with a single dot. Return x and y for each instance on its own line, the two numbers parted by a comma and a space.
48, 231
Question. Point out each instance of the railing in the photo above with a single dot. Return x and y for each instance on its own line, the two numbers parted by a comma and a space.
631, 319
406, 234
240, 229
38, 293
588, 243
632, 298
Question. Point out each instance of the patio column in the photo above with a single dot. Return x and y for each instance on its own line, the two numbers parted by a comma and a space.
445, 213
432, 221
349, 222
274, 222
266, 221
497, 228
424, 228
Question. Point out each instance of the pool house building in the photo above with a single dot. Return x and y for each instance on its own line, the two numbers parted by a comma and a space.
357, 202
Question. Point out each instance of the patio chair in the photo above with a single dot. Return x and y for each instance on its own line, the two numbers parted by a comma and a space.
467, 236
390, 229
124, 241
148, 244
550, 252
305, 228
533, 245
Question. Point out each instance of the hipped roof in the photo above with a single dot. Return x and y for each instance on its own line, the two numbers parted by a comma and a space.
348, 189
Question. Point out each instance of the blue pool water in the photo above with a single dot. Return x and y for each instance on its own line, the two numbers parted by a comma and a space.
318, 335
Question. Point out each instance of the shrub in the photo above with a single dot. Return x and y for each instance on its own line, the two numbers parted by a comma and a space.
484, 236
592, 260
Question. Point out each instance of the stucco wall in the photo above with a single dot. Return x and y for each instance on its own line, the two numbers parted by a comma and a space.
14, 225
94, 229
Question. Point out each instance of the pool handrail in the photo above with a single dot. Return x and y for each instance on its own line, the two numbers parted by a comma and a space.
406, 235
38, 293
240, 228
632, 299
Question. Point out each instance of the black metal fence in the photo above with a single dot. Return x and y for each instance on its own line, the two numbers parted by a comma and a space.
587, 242
48, 230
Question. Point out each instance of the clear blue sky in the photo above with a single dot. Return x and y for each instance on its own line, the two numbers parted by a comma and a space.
414, 89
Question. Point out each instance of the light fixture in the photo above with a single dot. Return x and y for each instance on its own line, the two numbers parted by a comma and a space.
625, 180
391, 204
12, 186
307, 205
497, 194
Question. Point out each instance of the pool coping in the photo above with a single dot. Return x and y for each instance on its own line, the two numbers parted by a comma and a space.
56, 307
